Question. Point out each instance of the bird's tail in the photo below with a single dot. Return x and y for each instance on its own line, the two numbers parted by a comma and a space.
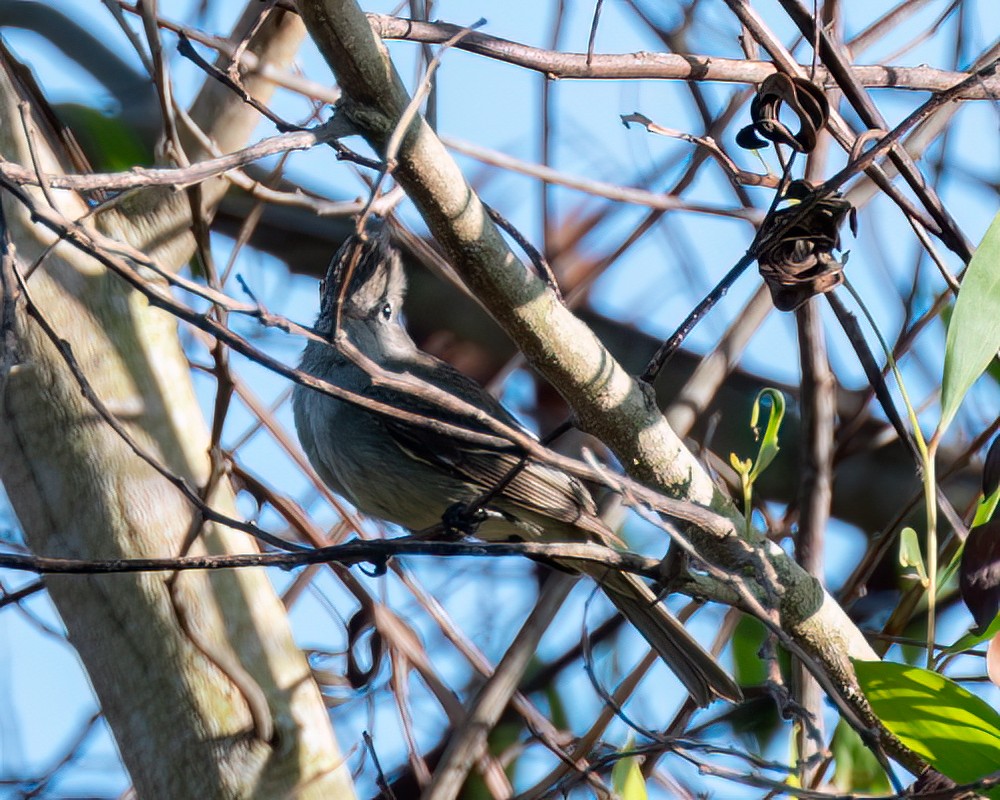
696, 668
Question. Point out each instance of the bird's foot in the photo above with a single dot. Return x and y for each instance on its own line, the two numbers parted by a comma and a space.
460, 521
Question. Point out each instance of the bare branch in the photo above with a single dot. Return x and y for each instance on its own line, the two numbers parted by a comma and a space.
688, 67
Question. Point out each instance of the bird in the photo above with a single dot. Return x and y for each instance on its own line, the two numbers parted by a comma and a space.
396, 469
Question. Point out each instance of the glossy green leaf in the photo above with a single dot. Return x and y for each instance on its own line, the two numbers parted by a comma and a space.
955, 731
974, 332
970, 639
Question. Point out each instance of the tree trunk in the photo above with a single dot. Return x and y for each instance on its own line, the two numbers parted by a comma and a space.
204, 688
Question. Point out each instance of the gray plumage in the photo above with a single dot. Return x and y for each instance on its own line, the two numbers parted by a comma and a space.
410, 475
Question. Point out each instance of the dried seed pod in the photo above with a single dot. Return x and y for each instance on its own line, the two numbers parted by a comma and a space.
801, 263
991, 468
803, 98
360, 625
979, 574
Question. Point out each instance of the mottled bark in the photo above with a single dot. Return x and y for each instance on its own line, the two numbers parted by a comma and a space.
202, 684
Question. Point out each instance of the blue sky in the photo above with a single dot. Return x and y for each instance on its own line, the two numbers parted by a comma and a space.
41, 683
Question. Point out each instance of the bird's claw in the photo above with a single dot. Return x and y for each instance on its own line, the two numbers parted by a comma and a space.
459, 520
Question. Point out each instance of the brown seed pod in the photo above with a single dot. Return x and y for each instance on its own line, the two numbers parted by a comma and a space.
991, 468
801, 263
803, 98
979, 574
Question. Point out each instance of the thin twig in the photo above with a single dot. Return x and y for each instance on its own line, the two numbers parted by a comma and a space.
376, 552
180, 177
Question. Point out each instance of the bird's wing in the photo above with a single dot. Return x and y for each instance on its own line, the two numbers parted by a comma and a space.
536, 488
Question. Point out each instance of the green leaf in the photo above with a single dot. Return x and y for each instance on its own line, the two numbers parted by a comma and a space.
909, 553
970, 639
741, 467
973, 335
769, 442
993, 370
856, 768
985, 509
955, 731
626, 778
110, 144
748, 667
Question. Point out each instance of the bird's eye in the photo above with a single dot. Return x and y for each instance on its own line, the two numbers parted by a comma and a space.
387, 311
